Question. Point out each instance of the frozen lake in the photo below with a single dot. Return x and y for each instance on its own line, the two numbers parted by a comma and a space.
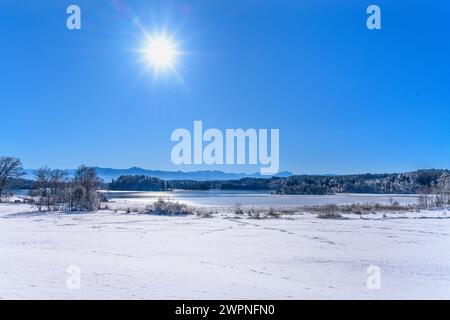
256, 198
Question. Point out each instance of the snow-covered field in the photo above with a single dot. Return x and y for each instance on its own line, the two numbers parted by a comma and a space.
137, 256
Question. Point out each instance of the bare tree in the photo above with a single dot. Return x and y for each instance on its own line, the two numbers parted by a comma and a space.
41, 188
86, 183
59, 188
443, 189
10, 168
51, 189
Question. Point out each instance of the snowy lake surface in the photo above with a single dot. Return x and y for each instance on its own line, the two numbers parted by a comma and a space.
297, 256
256, 198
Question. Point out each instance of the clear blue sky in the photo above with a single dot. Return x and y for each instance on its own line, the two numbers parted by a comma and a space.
346, 99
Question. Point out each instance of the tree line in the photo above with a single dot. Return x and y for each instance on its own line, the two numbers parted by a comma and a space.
430, 181
418, 182
52, 189
146, 183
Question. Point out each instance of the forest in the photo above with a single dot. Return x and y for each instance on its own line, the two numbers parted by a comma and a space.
421, 181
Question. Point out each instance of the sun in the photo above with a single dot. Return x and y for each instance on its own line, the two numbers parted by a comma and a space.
161, 53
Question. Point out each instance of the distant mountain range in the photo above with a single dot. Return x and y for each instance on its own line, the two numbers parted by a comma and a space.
109, 174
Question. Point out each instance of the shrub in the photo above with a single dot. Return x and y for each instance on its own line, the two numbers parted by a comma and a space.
254, 213
272, 213
167, 208
329, 211
238, 210
329, 215
205, 213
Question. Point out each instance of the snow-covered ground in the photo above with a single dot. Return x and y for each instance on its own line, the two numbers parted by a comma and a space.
137, 256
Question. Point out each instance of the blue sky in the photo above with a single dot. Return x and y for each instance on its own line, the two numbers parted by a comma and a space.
346, 99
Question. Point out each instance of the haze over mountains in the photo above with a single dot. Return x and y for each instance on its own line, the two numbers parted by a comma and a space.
108, 174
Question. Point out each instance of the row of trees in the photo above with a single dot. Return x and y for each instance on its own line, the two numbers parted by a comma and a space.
52, 189
417, 182
146, 183
430, 181
138, 183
